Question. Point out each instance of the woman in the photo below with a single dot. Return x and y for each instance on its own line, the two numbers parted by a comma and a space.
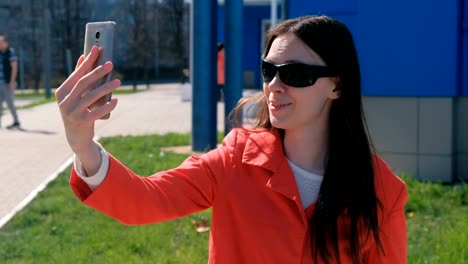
301, 187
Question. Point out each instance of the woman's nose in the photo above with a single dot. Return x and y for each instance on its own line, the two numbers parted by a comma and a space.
275, 85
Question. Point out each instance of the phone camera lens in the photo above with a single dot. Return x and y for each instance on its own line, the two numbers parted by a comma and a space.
98, 34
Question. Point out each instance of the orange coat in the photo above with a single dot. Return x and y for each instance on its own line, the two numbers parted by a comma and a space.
257, 212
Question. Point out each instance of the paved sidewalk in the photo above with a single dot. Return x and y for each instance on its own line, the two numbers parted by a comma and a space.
22, 102
28, 158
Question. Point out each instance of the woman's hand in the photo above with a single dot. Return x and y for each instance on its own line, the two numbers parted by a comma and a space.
74, 97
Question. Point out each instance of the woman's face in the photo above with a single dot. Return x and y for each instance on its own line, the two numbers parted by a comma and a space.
291, 107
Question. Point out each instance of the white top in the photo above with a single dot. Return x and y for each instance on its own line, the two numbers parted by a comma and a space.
308, 183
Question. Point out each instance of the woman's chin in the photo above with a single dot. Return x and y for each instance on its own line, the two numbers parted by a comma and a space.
281, 124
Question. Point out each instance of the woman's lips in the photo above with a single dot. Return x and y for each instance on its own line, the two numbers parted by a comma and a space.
278, 105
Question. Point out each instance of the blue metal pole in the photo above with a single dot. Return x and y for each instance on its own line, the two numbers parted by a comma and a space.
233, 22
203, 74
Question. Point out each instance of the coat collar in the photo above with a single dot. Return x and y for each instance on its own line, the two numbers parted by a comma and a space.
265, 149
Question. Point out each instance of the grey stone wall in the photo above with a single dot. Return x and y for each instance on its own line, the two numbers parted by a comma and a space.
426, 138
461, 143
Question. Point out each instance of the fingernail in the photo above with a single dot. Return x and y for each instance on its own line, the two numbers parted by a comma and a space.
94, 49
116, 82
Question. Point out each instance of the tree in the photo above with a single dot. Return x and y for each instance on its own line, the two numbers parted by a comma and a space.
68, 20
137, 19
177, 13
156, 33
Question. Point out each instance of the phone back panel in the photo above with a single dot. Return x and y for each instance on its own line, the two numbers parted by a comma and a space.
101, 34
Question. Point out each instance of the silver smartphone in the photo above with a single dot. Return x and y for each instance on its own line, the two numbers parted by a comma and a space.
101, 34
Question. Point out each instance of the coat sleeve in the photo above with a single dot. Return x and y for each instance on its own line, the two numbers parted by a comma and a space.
132, 199
393, 223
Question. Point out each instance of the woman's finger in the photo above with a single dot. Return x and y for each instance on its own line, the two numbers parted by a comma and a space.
91, 96
80, 61
88, 63
101, 111
84, 65
87, 81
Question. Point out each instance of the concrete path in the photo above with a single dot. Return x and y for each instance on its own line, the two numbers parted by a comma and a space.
29, 159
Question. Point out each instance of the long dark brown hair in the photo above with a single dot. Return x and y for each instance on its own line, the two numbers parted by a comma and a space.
348, 184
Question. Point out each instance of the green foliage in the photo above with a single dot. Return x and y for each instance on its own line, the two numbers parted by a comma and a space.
57, 228
40, 97
437, 220
37, 103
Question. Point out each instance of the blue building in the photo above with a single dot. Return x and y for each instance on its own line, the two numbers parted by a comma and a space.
414, 66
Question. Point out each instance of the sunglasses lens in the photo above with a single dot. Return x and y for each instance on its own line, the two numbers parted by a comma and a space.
297, 75
268, 71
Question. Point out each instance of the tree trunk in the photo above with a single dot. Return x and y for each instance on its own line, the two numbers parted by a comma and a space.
135, 70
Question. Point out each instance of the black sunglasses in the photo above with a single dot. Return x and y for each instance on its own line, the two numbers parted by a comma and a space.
295, 74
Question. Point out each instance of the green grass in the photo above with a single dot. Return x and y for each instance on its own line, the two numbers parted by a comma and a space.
437, 220
37, 103
28, 94
56, 228
40, 96
34, 94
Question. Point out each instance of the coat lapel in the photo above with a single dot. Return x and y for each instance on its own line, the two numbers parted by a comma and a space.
265, 149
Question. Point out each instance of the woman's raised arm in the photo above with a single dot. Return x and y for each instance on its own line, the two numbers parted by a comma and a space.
74, 97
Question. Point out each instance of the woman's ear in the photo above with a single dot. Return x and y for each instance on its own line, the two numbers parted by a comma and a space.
336, 92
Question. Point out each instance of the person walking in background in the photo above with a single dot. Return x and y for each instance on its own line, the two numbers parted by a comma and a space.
220, 71
8, 73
